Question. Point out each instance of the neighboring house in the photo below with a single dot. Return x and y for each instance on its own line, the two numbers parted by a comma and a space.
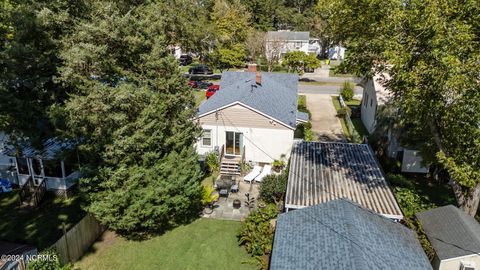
374, 98
176, 51
341, 234
455, 237
336, 53
48, 166
278, 43
5, 161
320, 172
314, 46
21, 251
252, 117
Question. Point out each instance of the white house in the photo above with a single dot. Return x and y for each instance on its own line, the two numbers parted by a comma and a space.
455, 237
252, 118
278, 43
49, 166
375, 96
336, 53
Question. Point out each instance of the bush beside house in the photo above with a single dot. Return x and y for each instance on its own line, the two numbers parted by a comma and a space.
257, 232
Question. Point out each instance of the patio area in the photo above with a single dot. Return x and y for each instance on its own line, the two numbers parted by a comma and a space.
225, 208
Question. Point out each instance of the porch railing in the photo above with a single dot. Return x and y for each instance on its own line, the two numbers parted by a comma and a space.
32, 195
222, 153
243, 154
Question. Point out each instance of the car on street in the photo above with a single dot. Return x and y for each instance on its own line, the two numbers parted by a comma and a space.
211, 90
203, 85
200, 69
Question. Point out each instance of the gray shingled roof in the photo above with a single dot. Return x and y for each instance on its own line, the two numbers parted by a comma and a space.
321, 172
343, 235
288, 35
276, 96
302, 116
51, 148
451, 231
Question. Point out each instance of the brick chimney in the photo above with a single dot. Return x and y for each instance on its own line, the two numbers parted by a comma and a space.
253, 68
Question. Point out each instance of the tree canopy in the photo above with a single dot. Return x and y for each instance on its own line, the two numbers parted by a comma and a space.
431, 51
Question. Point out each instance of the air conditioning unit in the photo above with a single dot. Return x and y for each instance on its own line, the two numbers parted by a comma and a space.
467, 266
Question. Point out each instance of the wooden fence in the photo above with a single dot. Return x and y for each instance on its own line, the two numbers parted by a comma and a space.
74, 243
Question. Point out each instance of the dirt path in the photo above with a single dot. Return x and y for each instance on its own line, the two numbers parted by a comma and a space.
324, 120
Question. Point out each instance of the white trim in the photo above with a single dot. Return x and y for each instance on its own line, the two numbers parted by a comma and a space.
248, 107
201, 138
301, 121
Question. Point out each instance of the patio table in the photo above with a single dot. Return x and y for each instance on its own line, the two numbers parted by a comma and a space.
225, 182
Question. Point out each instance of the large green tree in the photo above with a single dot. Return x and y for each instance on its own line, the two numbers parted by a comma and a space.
131, 109
29, 58
431, 50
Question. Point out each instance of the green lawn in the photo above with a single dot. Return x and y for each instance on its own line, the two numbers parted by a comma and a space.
39, 227
203, 244
199, 97
332, 73
337, 106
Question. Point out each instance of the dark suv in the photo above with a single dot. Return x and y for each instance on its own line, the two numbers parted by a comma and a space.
200, 69
185, 60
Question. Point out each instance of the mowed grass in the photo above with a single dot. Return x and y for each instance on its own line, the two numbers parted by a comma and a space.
39, 227
199, 97
336, 104
203, 244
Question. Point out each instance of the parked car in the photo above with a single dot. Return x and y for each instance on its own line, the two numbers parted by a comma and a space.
203, 85
211, 90
200, 69
185, 59
193, 84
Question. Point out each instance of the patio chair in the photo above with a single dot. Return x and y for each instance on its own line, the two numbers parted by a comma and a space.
254, 173
234, 188
267, 169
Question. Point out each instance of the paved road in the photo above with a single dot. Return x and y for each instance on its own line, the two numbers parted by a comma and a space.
324, 89
325, 122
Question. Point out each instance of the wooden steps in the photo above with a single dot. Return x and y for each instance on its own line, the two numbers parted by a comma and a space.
230, 166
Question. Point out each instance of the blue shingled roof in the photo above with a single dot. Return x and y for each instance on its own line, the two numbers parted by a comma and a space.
340, 234
302, 116
276, 96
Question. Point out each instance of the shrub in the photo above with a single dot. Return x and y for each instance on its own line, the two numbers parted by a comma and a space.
256, 234
211, 160
273, 187
344, 112
411, 202
398, 180
304, 131
53, 263
279, 164
208, 195
347, 91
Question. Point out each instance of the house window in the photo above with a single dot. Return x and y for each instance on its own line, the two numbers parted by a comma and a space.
207, 137
53, 168
37, 167
365, 100
22, 166
371, 102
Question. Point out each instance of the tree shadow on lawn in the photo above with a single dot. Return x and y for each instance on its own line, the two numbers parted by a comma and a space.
40, 227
